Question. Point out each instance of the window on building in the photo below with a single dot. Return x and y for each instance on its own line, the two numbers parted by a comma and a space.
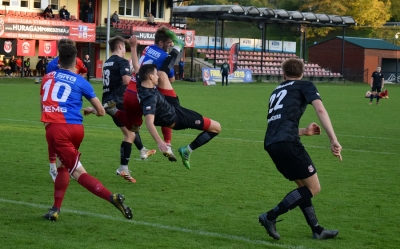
156, 7
24, 3
15, 3
54, 4
36, 4
6, 2
129, 7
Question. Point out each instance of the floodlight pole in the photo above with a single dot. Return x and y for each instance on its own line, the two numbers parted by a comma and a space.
397, 57
344, 33
108, 30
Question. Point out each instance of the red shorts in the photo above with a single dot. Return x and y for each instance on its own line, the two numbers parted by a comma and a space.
134, 112
64, 140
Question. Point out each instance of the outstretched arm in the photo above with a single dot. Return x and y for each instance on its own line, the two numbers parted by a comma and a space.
323, 117
134, 57
153, 131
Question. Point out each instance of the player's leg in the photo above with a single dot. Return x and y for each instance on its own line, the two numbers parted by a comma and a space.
52, 161
378, 95
125, 153
373, 94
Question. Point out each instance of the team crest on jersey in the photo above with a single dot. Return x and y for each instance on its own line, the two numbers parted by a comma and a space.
25, 48
197, 122
47, 47
148, 108
310, 168
7, 47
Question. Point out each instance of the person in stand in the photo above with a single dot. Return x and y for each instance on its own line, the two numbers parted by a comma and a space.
225, 72
88, 11
14, 66
88, 65
115, 17
48, 12
61, 101
181, 68
150, 19
377, 83
64, 14
7, 67
27, 68
287, 104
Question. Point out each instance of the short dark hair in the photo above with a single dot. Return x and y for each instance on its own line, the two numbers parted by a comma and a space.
161, 35
66, 41
145, 71
115, 41
293, 68
67, 55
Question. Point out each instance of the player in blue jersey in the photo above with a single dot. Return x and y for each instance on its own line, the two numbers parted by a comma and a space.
61, 101
287, 104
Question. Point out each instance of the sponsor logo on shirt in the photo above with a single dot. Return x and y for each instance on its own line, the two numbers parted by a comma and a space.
50, 108
67, 77
148, 108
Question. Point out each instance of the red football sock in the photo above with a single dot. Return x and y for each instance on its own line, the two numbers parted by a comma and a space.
167, 133
60, 186
94, 186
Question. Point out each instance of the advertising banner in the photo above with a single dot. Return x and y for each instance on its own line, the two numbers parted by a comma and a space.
201, 42
211, 42
275, 46
145, 35
228, 42
258, 45
39, 29
289, 47
246, 44
8, 47
233, 58
26, 47
47, 48
212, 75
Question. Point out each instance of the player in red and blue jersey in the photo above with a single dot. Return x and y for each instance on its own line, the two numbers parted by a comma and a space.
61, 101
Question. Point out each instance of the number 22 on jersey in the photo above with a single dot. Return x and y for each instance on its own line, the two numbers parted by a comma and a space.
275, 101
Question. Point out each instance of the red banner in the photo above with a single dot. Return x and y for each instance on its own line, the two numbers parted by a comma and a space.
40, 29
145, 35
47, 48
26, 47
233, 57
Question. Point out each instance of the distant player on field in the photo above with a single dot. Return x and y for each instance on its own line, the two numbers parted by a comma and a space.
287, 104
377, 83
61, 101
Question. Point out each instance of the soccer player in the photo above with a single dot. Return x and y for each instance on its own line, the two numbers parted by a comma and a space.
377, 83
61, 100
116, 76
160, 110
282, 142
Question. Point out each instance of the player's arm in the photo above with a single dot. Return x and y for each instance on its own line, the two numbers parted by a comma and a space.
372, 81
134, 57
310, 130
126, 79
97, 108
383, 81
149, 118
323, 117
172, 80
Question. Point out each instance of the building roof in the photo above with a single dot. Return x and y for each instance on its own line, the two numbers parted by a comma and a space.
368, 43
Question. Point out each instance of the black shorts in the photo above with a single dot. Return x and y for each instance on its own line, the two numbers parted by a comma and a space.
185, 118
292, 160
376, 88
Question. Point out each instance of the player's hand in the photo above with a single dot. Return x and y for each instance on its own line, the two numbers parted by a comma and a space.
312, 129
162, 147
133, 41
88, 111
336, 149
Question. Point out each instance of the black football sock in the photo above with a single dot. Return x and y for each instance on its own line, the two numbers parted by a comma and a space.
202, 139
371, 97
169, 62
125, 152
377, 98
309, 213
291, 200
138, 141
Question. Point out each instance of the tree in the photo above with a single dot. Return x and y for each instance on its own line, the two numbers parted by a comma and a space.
372, 13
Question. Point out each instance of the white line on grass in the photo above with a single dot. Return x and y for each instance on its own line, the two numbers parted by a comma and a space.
106, 127
160, 226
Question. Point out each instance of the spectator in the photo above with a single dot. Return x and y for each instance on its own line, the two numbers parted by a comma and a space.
27, 68
88, 10
181, 68
18, 63
150, 19
13, 65
41, 66
88, 65
225, 72
115, 18
48, 12
64, 14
7, 68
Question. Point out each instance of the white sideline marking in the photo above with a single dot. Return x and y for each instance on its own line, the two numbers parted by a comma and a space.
160, 226
247, 140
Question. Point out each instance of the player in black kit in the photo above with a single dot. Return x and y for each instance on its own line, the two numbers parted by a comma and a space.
116, 76
282, 142
377, 83
160, 110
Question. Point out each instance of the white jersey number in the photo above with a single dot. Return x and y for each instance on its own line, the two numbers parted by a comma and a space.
106, 77
56, 90
273, 106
